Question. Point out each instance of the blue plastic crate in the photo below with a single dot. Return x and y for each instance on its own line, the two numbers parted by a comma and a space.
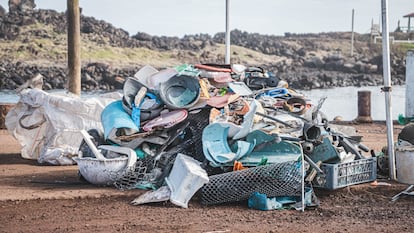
344, 174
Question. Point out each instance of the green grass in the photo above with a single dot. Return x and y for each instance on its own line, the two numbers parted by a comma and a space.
407, 46
402, 48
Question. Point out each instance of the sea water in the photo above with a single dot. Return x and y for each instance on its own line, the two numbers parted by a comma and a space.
343, 101
340, 101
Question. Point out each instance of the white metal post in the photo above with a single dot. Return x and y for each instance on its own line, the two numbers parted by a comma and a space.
387, 87
409, 85
227, 61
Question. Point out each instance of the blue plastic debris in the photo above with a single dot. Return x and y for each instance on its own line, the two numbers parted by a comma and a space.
260, 201
269, 147
216, 148
276, 93
116, 121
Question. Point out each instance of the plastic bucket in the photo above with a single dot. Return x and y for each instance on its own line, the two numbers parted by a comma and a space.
404, 159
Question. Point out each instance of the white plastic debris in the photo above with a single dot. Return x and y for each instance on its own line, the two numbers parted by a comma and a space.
159, 195
105, 171
186, 177
47, 124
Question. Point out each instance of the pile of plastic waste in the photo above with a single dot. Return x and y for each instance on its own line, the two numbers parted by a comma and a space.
228, 133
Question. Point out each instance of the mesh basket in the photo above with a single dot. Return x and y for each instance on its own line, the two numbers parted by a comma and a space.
280, 179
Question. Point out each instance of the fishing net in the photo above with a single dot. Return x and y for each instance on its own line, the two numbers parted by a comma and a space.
279, 179
137, 175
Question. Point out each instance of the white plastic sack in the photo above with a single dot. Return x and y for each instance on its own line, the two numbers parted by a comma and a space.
48, 125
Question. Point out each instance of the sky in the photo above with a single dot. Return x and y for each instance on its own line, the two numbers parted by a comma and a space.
269, 17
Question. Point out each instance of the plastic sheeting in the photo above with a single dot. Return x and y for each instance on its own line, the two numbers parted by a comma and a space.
48, 125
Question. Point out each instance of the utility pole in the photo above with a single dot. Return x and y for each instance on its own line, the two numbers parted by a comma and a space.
352, 35
74, 60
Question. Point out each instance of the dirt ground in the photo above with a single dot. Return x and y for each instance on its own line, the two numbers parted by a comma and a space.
39, 198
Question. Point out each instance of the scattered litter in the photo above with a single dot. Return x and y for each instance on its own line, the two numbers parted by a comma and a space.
376, 183
159, 195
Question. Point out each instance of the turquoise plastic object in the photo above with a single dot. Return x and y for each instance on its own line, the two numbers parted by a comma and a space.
180, 91
247, 121
136, 115
115, 119
216, 148
325, 152
404, 120
186, 69
185, 97
268, 147
260, 137
260, 201
140, 153
275, 153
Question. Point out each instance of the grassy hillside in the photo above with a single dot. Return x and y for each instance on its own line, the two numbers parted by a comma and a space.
40, 44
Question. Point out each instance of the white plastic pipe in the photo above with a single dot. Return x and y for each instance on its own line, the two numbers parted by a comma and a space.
409, 82
91, 145
387, 87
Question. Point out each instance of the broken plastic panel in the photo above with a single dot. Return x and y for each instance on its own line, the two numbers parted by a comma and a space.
166, 120
145, 72
240, 88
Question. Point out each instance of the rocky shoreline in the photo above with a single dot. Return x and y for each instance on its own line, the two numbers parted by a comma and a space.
305, 61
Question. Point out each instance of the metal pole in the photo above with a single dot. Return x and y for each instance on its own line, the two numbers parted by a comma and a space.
387, 87
352, 35
227, 61
74, 60
409, 84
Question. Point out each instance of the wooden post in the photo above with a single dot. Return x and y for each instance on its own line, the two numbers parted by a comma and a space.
364, 107
4, 109
74, 60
